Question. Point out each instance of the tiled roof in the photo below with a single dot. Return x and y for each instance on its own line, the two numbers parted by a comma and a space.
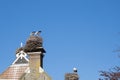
14, 72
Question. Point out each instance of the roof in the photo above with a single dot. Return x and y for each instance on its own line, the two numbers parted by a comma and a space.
18, 67
14, 72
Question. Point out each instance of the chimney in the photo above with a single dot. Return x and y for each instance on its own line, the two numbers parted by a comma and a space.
35, 51
72, 76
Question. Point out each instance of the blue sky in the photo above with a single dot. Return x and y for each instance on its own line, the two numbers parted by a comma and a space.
76, 33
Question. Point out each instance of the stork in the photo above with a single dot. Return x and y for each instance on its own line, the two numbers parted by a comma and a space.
32, 33
37, 33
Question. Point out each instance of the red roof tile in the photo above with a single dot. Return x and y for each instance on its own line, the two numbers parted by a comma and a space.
14, 72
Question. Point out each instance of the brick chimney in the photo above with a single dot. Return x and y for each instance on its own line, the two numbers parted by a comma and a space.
72, 76
35, 61
35, 52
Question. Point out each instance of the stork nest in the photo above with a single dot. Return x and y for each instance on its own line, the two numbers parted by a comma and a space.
33, 44
19, 49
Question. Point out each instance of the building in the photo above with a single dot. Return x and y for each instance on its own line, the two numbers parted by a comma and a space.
28, 64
